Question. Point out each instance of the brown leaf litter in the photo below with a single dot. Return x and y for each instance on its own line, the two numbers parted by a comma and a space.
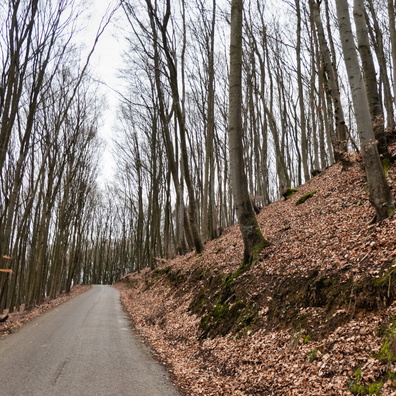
314, 332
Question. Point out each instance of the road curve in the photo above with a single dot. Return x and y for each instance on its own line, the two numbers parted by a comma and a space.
83, 347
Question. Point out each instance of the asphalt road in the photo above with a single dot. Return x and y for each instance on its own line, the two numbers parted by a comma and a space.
83, 347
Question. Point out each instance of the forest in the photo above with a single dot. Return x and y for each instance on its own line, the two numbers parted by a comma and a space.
318, 82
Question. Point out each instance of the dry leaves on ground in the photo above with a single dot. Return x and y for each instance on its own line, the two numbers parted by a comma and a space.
331, 232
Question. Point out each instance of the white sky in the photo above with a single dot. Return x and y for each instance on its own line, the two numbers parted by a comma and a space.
105, 62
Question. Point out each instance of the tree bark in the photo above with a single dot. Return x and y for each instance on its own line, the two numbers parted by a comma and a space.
392, 34
253, 239
303, 123
180, 116
370, 79
340, 142
380, 194
378, 40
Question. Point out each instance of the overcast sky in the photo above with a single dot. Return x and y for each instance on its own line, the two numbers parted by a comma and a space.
105, 63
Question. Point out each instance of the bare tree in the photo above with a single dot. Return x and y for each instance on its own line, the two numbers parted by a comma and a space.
253, 240
377, 38
380, 194
392, 32
370, 78
180, 115
330, 80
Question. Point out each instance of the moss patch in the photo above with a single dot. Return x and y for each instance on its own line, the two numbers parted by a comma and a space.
223, 305
161, 271
167, 274
222, 301
333, 301
358, 385
385, 166
313, 304
289, 193
302, 199
387, 353
206, 295
227, 317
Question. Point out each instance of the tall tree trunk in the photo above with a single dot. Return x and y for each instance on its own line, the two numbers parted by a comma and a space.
392, 34
370, 79
174, 85
209, 223
303, 124
378, 40
380, 194
340, 142
253, 239
170, 152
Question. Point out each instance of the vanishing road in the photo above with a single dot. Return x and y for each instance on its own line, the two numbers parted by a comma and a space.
83, 347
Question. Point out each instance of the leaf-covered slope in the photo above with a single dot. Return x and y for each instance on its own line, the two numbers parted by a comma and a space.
315, 316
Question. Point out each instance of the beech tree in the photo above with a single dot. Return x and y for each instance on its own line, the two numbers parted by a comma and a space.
378, 40
380, 195
253, 239
330, 82
48, 146
392, 38
370, 78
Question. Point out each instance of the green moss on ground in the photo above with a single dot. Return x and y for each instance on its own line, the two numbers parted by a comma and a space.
161, 271
305, 197
387, 355
358, 386
226, 317
289, 193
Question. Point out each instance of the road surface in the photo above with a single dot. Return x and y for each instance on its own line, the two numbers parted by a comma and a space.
83, 347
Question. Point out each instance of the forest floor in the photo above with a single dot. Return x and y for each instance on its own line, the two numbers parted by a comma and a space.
315, 316
17, 319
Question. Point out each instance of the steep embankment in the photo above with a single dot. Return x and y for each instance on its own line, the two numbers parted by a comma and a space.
316, 315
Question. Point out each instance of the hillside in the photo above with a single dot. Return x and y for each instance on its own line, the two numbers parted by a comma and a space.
315, 316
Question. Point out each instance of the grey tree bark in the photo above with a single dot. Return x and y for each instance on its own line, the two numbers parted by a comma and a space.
253, 239
303, 123
379, 46
340, 141
370, 78
180, 116
392, 34
380, 194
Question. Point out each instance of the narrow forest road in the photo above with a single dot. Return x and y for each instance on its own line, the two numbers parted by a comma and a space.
83, 347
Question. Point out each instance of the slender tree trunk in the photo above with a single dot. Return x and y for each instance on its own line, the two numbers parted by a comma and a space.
392, 34
253, 240
173, 79
209, 225
380, 194
169, 149
304, 140
340, 143
378, 39
370, 78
